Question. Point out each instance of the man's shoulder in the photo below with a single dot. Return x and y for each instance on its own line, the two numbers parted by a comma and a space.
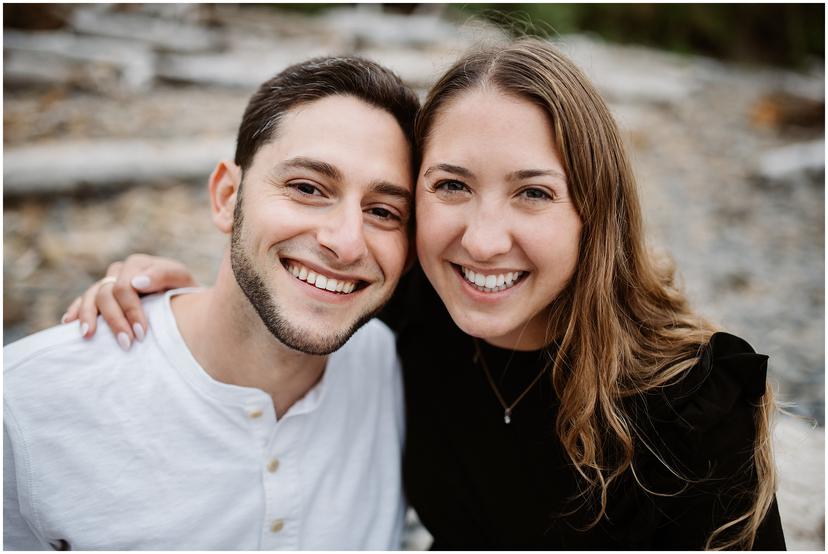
47, 342
62, 348
57, 373
62, 340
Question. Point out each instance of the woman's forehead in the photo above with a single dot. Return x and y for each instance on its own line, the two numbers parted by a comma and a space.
482, 126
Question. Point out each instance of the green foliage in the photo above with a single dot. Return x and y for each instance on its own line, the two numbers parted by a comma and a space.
779, 34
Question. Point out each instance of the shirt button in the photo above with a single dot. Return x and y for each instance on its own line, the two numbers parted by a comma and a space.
277, 525
254, 414
273, 465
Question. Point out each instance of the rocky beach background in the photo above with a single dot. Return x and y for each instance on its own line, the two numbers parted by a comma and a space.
114, 116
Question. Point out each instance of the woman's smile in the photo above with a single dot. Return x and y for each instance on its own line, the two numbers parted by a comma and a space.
492, 280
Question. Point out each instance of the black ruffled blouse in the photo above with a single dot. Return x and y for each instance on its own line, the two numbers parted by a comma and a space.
478, 483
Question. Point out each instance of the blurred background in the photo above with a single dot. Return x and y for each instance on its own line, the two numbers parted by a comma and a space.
115, 114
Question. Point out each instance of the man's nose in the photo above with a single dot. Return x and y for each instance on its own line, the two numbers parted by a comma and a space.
343, 234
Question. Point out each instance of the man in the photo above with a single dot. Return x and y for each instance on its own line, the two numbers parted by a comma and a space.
246, 419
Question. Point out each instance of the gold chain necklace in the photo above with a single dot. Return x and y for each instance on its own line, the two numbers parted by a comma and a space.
507, 409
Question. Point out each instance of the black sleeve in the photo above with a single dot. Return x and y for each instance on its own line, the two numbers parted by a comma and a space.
770, 536
710, 441
721, 482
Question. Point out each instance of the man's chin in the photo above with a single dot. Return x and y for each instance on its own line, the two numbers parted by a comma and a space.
308, 343
314, 340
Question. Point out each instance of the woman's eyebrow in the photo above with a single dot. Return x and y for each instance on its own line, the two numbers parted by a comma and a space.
532, 173
449, 168
519, 175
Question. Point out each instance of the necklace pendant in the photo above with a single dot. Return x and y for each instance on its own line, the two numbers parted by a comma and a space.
506, 417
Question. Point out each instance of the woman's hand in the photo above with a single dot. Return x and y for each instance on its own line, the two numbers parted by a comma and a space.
116, 296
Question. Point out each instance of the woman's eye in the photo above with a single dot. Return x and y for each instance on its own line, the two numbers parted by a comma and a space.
450, 186
536, 194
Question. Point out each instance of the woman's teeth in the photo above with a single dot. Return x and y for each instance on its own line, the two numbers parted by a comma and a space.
491, 283
321, 281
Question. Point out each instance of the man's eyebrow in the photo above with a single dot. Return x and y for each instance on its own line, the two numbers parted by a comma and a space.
318, 166
449, 168
531, 173
390, 189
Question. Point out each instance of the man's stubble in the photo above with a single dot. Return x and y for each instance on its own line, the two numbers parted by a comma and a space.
266, 306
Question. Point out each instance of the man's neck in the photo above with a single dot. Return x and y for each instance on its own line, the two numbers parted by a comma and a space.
229, 340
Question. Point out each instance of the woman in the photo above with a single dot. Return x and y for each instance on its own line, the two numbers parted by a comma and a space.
568, 397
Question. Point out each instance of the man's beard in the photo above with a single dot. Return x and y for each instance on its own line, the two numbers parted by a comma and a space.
254, 288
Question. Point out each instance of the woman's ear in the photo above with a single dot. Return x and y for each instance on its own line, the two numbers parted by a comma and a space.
224, 188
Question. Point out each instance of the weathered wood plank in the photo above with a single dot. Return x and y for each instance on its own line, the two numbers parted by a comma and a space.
66, 166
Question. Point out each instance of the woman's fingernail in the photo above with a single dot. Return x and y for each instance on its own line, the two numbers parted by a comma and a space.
63, 317
140, 282
84, 329
139, 331
123, 341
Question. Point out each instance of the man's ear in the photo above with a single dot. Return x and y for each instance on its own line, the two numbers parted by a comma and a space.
224, 188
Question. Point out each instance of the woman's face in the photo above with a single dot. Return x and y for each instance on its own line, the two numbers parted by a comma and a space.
497, 233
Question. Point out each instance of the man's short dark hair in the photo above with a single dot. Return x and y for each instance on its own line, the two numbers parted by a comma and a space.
315, 79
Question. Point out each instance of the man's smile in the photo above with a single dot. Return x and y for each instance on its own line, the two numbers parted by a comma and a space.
322, 279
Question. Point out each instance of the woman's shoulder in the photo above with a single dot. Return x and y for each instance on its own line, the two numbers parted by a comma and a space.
709, 410
728, 374
696, 445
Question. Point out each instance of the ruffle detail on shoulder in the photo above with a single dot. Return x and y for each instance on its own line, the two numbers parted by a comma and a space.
728, 371
699, 427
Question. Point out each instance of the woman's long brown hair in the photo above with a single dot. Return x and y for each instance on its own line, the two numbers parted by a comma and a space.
622, 325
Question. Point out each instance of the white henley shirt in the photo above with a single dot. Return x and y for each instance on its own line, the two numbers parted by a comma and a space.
143, 450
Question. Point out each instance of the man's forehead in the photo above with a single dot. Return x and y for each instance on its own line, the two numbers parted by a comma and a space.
338, 109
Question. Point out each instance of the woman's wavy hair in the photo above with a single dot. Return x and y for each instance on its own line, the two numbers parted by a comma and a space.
622, 325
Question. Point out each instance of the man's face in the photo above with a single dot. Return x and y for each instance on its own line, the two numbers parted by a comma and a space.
319, 240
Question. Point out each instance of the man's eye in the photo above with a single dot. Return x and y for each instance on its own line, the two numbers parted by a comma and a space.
383, 213
450, 186
307, 188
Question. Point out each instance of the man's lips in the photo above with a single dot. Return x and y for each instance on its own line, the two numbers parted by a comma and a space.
322, 279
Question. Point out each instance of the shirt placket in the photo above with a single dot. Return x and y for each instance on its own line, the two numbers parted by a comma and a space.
282, 491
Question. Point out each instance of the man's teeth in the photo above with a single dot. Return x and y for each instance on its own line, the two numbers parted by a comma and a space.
491, 283
320, 281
